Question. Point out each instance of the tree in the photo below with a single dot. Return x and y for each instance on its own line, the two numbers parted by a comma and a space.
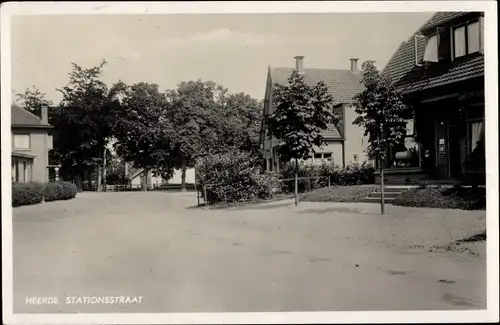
143, 131
194, 116
301, 113
33, 100
242, 115
83, 122
383, 114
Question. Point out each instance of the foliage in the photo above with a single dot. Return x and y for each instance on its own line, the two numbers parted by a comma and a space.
339, 194
143, 131
381, 112
301, 113
33, 100
193, 113
59, 191
353, 174
33, 193
242, 117
27, 193
465, 198
83, 121
233, 177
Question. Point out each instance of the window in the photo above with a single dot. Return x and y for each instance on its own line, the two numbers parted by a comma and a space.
323, 156
431, 49
21, 141
467, 39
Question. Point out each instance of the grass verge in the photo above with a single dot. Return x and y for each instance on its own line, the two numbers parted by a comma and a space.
464, 198
339, 194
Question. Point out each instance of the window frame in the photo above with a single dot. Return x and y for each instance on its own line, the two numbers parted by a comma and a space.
466, 36
14, 142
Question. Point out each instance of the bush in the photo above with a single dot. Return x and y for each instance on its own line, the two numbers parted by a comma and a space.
465, 198
33, 193
354, 174
27, 193
59, 191
234, 177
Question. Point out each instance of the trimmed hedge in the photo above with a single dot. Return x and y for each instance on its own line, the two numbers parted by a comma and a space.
34, 193
464, 198
27, 193
354, 174
353, 193
234, 177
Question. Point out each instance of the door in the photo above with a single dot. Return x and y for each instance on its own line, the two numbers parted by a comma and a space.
457, 146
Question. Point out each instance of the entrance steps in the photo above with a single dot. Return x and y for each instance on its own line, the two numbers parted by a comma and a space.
390, 193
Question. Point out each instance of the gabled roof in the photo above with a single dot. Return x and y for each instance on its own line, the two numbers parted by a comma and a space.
406, 76
22, 118
343, 85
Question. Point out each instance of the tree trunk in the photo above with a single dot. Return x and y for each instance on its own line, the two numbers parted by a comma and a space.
145, 173
296, 182
382, 198
183, 175
104, 171
99, 178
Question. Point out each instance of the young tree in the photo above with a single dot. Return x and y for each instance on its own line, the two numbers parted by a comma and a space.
301, 113
143, 131
33, 100
382, 113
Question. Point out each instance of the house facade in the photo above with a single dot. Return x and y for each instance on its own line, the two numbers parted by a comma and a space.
31, 142
345, 142
440, 73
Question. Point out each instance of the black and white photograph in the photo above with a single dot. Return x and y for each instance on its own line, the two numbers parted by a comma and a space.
249, 162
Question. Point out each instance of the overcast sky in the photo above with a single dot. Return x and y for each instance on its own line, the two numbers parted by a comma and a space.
233, 50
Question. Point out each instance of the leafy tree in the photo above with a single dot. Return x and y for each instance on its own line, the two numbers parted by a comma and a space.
143, 131
33, 100
301, 113
382, 113
242, 116
196, 123
83, 121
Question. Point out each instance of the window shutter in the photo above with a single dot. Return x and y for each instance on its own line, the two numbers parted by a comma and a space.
444, 44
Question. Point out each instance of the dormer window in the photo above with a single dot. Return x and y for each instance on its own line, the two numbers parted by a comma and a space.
467, 39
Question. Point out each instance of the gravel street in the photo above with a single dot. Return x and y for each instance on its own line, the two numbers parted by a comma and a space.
164, 255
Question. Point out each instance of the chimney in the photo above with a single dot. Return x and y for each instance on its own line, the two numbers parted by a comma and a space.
354, 65
44, 115
299, 64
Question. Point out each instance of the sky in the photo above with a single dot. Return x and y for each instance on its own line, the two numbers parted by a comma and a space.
233, 50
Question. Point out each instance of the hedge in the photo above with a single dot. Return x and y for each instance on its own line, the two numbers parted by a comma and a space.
458, 197
34, 193
353, 174
234, 177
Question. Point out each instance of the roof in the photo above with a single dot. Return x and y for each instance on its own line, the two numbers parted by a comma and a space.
22, 118
443, 17
406, 76
343, 85
134, 172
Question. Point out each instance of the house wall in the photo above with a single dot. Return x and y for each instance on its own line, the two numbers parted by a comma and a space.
40, 143
176, 179
335, 147
355, 142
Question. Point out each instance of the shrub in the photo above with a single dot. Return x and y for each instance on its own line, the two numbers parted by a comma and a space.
33, 193
59, 191
354, 174
26, 193
234, 177
451, 198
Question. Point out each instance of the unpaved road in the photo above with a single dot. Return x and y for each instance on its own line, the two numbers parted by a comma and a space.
318, 257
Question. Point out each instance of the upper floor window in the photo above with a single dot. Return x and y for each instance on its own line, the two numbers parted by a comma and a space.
21, 141
467, 39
